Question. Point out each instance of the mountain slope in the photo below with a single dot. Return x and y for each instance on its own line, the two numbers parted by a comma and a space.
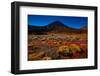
53, 27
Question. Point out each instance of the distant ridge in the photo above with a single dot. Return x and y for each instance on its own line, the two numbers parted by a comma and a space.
84, 27
56, 26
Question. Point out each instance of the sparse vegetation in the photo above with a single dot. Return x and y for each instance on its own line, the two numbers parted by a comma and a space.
57, 45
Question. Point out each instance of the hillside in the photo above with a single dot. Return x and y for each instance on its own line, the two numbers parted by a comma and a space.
56, 27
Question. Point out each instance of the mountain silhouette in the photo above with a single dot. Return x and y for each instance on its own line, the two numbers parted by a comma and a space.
56, 26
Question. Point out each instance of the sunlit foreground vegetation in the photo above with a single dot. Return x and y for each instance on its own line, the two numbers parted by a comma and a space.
57, 46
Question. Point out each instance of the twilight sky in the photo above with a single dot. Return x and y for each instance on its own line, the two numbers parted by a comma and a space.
71, 21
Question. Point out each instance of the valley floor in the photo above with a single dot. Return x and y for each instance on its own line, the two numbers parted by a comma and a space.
57, 46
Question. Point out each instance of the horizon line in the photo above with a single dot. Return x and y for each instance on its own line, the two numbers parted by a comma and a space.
56, 22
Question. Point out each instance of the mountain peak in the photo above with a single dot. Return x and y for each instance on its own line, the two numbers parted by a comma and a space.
57, 23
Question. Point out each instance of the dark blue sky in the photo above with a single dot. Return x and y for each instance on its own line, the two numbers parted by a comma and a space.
71, 21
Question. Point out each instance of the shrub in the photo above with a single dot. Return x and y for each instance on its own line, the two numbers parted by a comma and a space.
75, 48
65, 51
63, 48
